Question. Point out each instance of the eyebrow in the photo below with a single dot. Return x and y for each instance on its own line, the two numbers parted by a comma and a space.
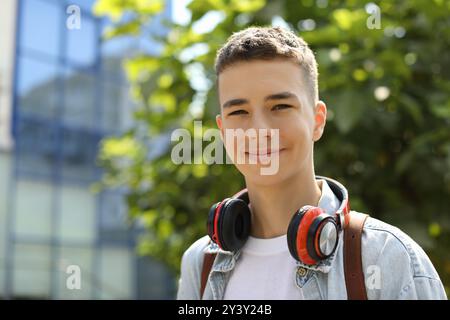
276, 96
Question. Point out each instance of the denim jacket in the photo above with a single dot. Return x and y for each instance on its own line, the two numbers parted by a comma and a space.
394, 266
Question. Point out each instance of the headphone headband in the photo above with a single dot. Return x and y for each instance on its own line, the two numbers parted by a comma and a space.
243, 195
342, 194
338, 189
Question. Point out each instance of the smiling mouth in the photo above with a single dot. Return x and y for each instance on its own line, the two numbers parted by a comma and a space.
264, 152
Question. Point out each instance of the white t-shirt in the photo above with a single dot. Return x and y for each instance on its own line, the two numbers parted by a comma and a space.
265, 269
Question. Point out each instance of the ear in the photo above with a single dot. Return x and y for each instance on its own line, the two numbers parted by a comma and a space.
320, 118
219, 124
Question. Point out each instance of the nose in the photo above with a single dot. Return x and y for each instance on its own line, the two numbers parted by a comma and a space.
262, 124
264, 135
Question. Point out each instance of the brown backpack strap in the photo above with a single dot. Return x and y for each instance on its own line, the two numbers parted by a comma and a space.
354, 275
208, 261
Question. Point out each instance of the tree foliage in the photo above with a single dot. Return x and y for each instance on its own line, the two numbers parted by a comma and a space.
387, 136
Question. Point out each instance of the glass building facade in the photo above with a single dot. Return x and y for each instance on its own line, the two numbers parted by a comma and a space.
63, 90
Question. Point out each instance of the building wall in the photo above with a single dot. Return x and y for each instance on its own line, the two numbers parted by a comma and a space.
7, 43
66, 91
5, 168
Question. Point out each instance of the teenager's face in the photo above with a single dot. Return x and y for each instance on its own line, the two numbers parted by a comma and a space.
244, 95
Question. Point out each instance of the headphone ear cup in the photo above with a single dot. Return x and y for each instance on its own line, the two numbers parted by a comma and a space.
293, 231
299, 233
234, 222
213, 222
322, 237
210, 222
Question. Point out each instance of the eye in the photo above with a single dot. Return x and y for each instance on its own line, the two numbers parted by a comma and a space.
281, 106
237, 112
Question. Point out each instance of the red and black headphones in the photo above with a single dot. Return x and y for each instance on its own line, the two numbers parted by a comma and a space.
312, 234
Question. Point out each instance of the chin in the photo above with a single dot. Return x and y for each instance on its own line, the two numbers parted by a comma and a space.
254, 176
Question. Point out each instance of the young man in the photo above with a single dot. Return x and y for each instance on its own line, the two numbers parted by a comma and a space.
267, 79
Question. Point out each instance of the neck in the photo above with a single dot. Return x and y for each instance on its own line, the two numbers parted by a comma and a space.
273, 206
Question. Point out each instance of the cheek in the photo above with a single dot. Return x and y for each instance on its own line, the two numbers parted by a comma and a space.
234, 143
298, 134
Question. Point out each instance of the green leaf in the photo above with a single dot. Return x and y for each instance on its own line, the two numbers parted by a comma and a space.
246, 6
348, 110
441, 111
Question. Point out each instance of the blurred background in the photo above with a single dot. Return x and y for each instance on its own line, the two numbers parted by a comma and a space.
62, 91
91, 91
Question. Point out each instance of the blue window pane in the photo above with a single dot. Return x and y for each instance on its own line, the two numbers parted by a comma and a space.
113, 53
119, 47
84, 4
37, 87
40, 26
36, 145
112, 67
79, 99
79, 151
82, 43
113, 218
115, 102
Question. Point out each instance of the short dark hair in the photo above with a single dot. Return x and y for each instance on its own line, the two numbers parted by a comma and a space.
269, 43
